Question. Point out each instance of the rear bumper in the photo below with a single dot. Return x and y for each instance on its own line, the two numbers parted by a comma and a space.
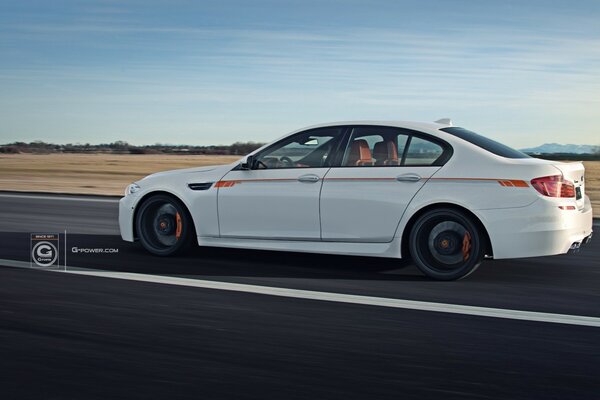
540, 229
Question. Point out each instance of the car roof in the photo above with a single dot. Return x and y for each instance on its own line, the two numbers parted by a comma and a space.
396, 123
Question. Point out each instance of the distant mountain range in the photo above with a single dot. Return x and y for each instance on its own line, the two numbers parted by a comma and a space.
549, 148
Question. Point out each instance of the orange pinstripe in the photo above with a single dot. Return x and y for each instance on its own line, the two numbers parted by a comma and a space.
502, 182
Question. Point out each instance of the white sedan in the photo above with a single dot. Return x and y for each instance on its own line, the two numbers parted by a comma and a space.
442, 195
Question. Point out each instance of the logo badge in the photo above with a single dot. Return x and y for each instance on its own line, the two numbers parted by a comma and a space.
44, 249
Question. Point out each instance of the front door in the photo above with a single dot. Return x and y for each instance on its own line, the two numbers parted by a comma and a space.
279, 198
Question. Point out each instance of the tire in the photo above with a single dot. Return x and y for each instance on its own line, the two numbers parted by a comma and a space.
446, 244
164, 226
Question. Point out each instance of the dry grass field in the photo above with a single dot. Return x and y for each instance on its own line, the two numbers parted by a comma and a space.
105, 174
592, 184
108, 174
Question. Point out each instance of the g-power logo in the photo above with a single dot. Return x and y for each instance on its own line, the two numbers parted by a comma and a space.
44, 249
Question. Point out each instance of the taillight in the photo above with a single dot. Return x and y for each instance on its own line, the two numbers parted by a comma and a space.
554, 186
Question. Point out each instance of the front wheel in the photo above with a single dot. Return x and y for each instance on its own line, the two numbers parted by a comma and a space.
164, 226
446, 244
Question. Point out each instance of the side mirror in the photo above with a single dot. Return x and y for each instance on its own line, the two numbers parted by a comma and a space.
249, 163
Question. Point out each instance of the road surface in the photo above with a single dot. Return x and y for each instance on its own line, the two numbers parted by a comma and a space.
222, 323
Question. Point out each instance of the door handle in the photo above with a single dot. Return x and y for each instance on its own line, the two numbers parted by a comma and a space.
310, 178
408, 178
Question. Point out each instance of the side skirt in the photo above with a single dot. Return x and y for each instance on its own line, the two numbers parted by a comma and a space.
389, 250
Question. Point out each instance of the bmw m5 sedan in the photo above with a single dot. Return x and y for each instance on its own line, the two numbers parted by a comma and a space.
442, 195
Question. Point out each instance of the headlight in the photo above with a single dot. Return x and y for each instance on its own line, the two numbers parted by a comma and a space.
134, 187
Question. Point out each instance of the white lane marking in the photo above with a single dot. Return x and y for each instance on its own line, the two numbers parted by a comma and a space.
57, 197
341, 298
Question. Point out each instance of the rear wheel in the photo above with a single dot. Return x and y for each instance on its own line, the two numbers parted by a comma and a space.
446, 244
164, 226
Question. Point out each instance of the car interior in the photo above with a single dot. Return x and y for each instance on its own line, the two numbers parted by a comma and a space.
369, 146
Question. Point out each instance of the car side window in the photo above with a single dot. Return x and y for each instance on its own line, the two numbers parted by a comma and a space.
371, 146
309, 149
381, 146
422, 152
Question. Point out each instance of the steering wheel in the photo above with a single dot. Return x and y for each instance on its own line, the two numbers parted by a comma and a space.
288, 162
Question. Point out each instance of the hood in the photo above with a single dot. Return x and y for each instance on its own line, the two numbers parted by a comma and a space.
202, 173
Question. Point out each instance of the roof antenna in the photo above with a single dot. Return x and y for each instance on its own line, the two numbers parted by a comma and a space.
444, 121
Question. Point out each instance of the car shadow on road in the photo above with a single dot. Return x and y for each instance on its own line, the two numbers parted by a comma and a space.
83, 251
98, 252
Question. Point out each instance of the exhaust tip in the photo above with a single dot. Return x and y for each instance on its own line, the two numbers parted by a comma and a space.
575, 247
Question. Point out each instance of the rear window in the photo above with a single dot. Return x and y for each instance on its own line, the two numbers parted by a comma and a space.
485, 143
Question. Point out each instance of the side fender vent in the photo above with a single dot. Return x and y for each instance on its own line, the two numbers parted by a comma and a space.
200, 186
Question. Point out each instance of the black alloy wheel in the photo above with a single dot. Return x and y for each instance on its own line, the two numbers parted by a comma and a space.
446, 244
164, 225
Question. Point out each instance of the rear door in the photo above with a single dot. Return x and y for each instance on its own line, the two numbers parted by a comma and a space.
382, 168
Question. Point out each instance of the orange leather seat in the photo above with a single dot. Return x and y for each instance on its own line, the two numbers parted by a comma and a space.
386, 153
380, 153
360, 154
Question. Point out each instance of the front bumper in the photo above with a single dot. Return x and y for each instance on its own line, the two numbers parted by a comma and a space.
126, 210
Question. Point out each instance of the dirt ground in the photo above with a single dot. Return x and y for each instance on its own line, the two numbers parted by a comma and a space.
109, 174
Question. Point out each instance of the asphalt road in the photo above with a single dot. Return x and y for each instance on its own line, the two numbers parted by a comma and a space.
71, 336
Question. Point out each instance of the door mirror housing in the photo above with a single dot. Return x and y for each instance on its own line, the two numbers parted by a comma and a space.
249, 163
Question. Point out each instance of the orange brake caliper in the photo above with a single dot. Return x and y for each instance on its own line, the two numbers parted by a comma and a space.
466, 247
179, 226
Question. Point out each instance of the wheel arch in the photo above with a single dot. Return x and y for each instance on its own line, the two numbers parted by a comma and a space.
154, 193
489, 251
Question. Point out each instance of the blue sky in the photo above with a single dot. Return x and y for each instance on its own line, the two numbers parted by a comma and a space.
211, 72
